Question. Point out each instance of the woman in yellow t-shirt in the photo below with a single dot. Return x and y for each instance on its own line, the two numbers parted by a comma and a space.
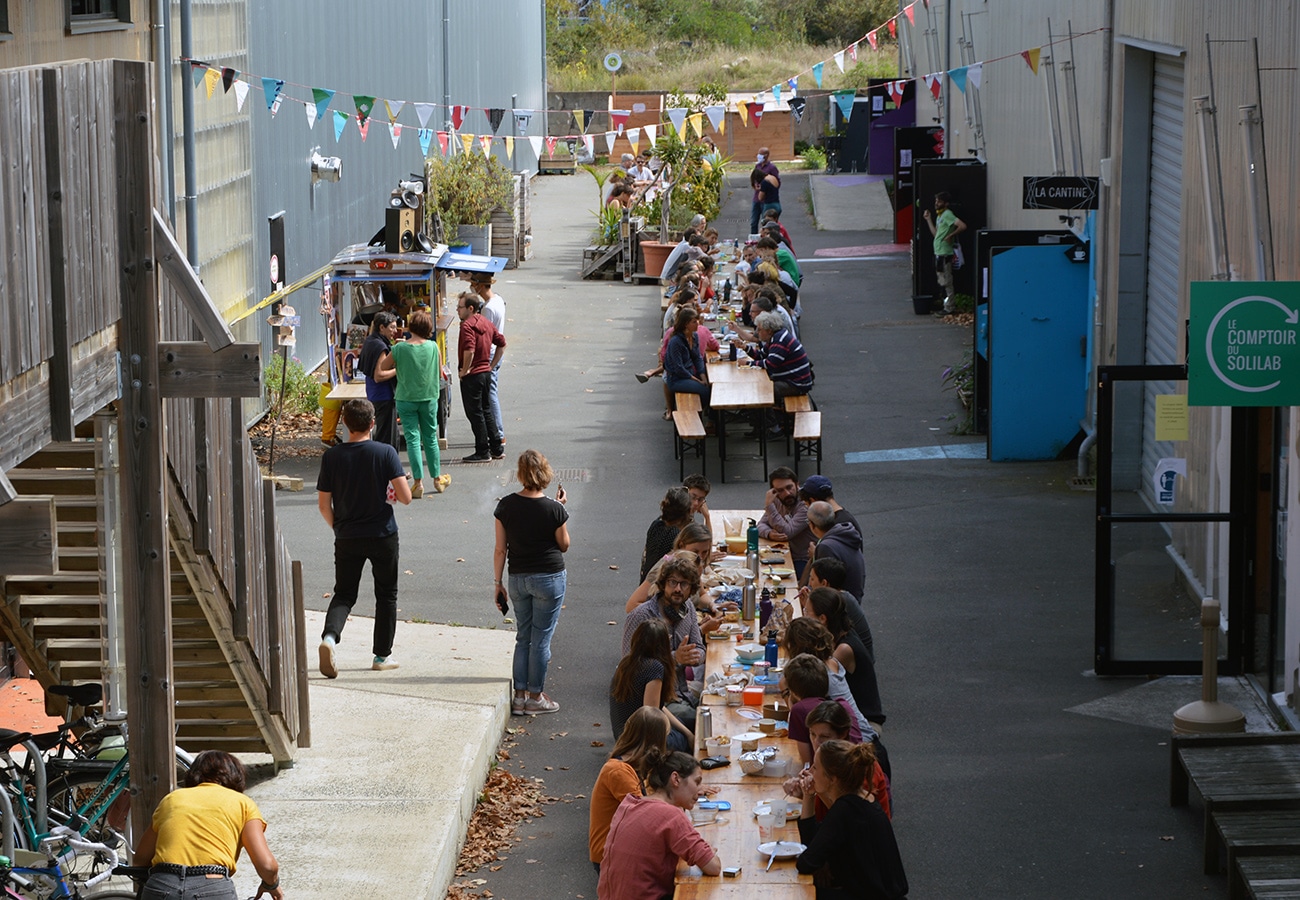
198, 831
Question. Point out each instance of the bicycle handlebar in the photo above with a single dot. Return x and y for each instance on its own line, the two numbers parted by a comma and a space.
61, 834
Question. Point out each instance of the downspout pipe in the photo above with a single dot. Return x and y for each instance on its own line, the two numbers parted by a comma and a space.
187, 121
162, 55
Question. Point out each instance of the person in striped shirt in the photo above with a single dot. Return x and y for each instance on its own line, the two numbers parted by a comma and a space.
782, 356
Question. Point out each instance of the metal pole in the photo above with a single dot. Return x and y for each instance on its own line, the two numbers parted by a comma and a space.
446, 58
187, 120
1261, 243
162, 72
1053, 109
1218, 157
1214, 227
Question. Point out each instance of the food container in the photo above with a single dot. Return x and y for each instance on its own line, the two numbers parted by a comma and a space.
748, 741
779, 712
767, 726
750, 653
718, 746
736, 544
753, 696
735, 694
751, 763
702, 816
774, 768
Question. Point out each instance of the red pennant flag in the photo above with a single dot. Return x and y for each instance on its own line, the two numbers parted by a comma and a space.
363, 125
893, 27
873, 40
911, 16
618, 117
896, 92
933, 82
442, 142
853, 51
550, 147
756, 111
458, 116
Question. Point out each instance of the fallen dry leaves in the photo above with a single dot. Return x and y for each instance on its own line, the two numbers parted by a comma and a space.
506, 801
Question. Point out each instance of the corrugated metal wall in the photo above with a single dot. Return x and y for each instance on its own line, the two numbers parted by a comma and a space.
386, 49
1012, 99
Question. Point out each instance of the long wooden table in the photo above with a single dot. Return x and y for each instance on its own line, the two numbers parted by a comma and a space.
735, 835
736, 385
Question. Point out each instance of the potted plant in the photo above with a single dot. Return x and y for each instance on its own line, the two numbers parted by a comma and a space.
462, 193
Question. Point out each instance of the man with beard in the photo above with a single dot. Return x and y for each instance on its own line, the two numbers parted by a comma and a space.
785, 516
678, 581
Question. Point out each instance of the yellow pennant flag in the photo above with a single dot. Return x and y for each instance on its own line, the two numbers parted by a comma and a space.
485, 142
1031, 58
467, 141
722, 124
697, 122
211, 79
510, 147
743, 109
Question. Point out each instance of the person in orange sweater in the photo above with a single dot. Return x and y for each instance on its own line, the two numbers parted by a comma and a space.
646, 732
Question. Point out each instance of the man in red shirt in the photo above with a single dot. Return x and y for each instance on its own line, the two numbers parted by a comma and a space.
476, 360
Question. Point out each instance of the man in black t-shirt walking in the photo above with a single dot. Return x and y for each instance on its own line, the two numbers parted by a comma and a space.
357, 484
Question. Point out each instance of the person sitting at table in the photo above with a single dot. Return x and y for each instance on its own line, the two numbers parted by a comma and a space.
684, 368
829, 721
694, 543
748, 259
699, 487
830, 572
687, 248
852, 853
774, 216
645, 733
781, 355
828, 606
707, 270
785, 517
765, 298
842, 541
623, 196
674, 514
809, 638
781, 254
644, 677
679, 580
648, 835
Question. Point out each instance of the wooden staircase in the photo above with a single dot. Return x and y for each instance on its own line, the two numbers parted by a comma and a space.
56, 622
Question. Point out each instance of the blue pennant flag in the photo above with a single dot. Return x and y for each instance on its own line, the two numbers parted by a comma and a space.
271, 87
340, 122
776, 92
793, 84
426, 135
817, 73
844, 99
958, 77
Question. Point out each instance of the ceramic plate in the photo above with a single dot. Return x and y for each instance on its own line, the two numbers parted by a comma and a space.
783, 849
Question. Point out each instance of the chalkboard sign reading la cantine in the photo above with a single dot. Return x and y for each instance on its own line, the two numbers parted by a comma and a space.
1060, 192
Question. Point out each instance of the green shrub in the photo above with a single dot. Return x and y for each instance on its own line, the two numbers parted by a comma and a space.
465, 189
301, 391
814, 158
800, 147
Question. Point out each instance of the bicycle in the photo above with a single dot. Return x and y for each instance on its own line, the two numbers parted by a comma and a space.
62, 878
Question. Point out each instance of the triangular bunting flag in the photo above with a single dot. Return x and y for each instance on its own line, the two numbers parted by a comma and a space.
590, 143
893, 27
717, 115
467, 141
817, 73
617, 117
776, 93
426, 138
796, 108
580, 120
485, 144
200, 71
363, 125
911, 13
535, 142
395, 132
241, 94
442, 142
340, 122
844, 100
495, 116
322, 97
633, 136
458, 115
935, 84
958, 77
510, 146
975, 74
522, 118
550, 147
275, 107
839, 60
743, 108
422, 112
696, 121
650, 132
364, 106
587, 116
228, 77
896, 92
1031, 58
311, 115
211, 79
756, 110
873, 40
610, 137
394, 108
793, 84
853, 51
271, 88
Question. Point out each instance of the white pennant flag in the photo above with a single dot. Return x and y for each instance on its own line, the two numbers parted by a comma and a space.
633, 136
609, 141
590, 143
650, 132
241, 94
839, 60
395, 132
677, 115
716, 114
394, 108
423, 111
311, 115
974, 73
535, 140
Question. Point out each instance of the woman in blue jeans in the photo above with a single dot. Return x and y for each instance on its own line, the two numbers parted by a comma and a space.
684, 370
532, 536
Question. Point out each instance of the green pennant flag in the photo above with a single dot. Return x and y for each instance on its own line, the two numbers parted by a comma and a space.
322, 96
364, 106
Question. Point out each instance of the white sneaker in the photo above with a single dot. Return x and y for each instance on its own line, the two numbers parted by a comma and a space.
327, 667
383, 663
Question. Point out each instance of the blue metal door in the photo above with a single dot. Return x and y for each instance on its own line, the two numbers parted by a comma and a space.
1037, 351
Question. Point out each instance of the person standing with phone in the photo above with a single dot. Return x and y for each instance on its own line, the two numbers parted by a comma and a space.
532, 535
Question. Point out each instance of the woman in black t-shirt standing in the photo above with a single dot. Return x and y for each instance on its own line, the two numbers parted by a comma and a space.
532, 535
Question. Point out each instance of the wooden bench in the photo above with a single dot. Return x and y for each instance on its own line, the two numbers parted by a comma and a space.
1265, 878
807, 438
1255, 832
799, 403
688, 402
690, 435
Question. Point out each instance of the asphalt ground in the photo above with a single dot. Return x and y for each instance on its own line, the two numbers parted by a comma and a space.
980, 577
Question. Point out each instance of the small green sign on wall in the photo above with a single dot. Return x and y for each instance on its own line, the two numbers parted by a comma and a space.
1244, 344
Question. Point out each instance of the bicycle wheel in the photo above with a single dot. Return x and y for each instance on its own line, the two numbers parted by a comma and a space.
69, 790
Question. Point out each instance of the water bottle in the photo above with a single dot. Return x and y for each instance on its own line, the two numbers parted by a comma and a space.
751, 538
765, 609
771, 650
726, 291
747, 603
704, 724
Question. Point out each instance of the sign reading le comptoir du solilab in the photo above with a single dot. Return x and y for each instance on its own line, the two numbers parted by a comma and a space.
1244, 344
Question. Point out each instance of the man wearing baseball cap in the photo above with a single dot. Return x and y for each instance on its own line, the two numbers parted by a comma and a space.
818, 487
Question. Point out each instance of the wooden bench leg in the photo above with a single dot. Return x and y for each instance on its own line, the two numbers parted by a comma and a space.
1211, 839
1177, 777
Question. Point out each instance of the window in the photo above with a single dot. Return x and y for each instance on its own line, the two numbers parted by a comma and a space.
4, 20
98, 15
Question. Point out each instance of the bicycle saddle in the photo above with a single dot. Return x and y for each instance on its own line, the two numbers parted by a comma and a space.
79, 694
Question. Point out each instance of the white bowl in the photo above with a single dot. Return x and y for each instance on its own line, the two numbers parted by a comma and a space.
750, 652
717, 749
